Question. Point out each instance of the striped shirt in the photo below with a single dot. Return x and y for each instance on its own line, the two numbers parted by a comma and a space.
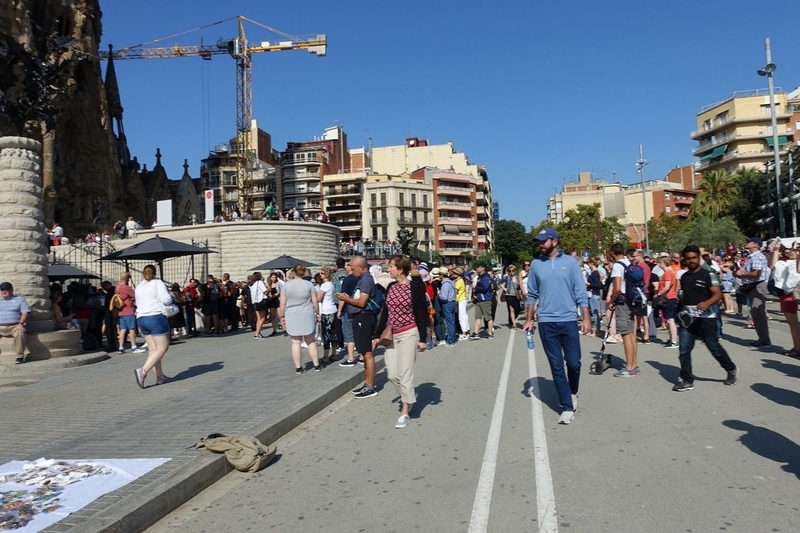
756, 261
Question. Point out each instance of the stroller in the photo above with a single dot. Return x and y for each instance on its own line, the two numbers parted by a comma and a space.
602, 362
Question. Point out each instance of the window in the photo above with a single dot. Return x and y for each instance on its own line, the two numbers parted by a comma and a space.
383, 214
374, 234
413, 200
402, 215
414, 216
666, 196
424, 200
427, 235
425, 218
668, 208
372, 200
402, 199
315, 204
385, 234
383, 199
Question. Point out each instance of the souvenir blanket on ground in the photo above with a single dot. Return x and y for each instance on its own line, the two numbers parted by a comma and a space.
37, 494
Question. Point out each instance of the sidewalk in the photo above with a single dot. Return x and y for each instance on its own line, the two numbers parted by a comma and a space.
228, 384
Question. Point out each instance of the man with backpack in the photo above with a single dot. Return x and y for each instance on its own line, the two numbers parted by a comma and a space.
363, 319
484, 295
627, 295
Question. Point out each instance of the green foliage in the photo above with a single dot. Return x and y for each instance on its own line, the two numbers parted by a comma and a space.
751, 185
718, 191
708, 232
662, 232
510, 240
584, 228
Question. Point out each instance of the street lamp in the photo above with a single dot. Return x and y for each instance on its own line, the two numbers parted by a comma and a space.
640, 167
769, 71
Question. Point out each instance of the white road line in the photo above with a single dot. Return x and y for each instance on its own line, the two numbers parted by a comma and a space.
483, 495
545, 497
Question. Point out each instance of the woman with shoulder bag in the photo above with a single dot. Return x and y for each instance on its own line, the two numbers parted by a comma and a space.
407, 317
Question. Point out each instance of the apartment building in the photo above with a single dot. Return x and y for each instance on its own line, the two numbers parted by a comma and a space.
342, 200
218, 172
417, 157
394, 202
672, 195
304, 166
737, 132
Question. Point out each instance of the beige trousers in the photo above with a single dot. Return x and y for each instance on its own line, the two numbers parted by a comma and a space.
19, 339
400, 357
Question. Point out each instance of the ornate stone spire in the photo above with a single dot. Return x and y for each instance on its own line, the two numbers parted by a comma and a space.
186, 169
112, 91
158, 159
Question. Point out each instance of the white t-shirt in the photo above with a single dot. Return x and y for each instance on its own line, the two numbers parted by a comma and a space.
328, 305
618, 271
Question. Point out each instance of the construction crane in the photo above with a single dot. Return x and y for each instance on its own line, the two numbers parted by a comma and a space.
241, 50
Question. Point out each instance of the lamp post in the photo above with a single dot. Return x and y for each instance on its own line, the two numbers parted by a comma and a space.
768, 71
640, 167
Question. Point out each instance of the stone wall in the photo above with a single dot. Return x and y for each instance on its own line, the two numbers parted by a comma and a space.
239, 246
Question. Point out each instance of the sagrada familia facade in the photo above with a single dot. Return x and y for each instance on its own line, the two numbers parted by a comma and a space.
90, 179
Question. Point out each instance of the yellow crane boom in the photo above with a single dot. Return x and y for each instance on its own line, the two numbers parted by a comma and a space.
241, 50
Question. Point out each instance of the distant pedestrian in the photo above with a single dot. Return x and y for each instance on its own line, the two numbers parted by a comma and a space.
483, 294
127, 315
700, 290
299, 314
151, 297
556, 287
510, 286
14, 313
754, 277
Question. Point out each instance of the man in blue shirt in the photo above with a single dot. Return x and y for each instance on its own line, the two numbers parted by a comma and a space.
754, 285
556, 287
14, 312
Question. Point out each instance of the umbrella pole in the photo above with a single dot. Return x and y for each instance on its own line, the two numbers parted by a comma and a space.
161, 269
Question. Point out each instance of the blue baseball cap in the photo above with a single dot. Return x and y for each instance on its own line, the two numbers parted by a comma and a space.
546, 233
756, 240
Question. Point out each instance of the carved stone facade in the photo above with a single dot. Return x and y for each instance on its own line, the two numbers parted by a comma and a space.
90, 179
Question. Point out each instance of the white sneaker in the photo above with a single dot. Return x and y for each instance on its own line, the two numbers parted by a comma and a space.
402, 422
574, 402
303, 344
566, 417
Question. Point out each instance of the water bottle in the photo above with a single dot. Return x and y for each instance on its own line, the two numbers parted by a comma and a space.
529, 339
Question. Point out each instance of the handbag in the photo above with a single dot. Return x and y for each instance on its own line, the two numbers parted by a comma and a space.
170, 310
660, 301
386, 337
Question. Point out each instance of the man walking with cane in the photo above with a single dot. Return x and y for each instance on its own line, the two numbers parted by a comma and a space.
556, 287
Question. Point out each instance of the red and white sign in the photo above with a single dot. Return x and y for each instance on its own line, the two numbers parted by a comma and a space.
209, 195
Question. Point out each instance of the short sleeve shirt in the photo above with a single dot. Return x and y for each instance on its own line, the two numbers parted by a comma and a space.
12, 309
365, 284
128, 295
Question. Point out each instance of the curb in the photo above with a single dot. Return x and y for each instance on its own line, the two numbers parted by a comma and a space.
154, 501
56, 363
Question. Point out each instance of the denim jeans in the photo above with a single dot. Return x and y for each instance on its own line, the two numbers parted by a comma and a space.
594, 310
449, 312
561, 343
706, 330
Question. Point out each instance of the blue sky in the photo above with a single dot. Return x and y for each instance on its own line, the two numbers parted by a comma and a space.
535, 92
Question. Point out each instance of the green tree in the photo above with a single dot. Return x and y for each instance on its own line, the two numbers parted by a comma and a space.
746, 208
662, 231
710, 233
718, 191
584, 228
509, 240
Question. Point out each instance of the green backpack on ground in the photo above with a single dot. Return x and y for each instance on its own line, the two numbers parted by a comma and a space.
244, 452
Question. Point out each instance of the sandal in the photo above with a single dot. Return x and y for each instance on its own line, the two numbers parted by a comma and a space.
791, 353
749, 326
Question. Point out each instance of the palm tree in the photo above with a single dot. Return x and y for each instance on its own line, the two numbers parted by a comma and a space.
718, 190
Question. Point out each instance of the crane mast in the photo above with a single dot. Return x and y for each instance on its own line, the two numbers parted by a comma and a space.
241, 51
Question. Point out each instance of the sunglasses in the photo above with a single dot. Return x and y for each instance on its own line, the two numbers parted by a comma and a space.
527, 264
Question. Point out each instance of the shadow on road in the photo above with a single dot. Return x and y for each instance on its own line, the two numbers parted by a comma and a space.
778, 395
427, 394
546, 392
791, 370
769, 444
197, 370
669, 373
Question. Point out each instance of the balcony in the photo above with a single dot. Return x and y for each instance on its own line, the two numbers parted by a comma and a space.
758, 154
288, 161
480, 198
455, 237
301, 192
461, 206
414, 221
462, 191
708, 145
301, 177
350, 224
449, 250
455, 220
379, 221
348, 191
343, 208
731, 119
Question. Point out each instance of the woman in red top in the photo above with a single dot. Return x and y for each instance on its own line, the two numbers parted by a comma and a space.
407, 314
668, 286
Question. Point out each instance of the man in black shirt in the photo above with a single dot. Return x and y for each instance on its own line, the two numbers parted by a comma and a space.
700, 290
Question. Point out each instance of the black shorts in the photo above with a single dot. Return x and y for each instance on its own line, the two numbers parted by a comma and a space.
260, 306
209, 309
363, 326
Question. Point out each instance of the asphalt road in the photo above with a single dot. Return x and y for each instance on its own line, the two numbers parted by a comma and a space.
484, 452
